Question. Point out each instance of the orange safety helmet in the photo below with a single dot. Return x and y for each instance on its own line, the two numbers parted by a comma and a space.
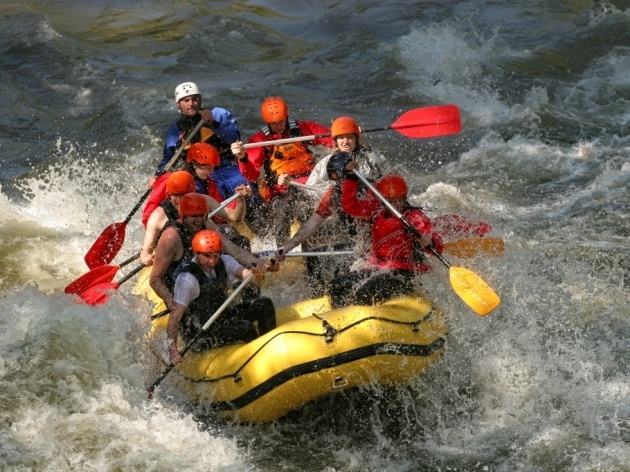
204, 154
193, 204
392, 186
274, 109
180, 183
207, 240
345, 125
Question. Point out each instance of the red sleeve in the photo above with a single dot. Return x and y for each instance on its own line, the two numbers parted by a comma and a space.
255, 158
363, 209
157, 196
311, 128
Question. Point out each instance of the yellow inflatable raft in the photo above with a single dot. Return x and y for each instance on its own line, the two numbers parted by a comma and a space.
314, 351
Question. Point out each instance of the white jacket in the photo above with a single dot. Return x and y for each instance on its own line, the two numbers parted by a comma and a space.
370, 163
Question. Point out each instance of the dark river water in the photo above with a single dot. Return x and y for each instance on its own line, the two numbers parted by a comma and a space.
541, 384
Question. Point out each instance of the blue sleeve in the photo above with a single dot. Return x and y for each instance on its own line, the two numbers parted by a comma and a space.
225, 126
170, 145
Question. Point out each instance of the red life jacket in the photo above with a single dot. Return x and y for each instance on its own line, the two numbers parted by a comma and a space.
394, 245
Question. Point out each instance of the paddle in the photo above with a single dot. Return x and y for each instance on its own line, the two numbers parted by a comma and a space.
97, 294
200, 333
223, 204
112, 238
271, 252
99, 275
428, 122
473, 247
471, 288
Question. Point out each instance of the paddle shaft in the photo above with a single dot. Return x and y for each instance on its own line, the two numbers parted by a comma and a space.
428, 120
216, 314
311, 137
304, 186
223, 204
129, 261
319, 254
131, 274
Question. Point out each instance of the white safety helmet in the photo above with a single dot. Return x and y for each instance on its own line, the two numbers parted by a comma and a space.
186, 90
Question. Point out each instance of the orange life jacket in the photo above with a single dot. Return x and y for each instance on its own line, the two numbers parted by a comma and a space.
293, 159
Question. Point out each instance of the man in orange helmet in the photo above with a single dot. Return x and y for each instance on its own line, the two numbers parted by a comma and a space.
202, 159
200, 290
397, 255
178, 184
174, 245
282, 163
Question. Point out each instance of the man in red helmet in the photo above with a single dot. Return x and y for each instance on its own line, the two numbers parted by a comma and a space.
201, 288
396, 256
282, 164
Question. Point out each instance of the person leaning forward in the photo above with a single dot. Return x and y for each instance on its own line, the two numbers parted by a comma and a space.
397, 255
174, 245
282, 164
201, 289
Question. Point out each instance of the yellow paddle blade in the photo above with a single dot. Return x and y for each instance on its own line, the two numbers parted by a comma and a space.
472, 247
473, 290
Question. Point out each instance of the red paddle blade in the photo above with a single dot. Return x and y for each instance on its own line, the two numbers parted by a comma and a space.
94, 277
429, 122
98, 294
106, 246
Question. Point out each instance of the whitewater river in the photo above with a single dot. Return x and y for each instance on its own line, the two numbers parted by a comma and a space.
541, 384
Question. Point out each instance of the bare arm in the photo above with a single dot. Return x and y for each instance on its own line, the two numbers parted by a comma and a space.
237, 213
172, 331
169, 249
156, 222
308, 229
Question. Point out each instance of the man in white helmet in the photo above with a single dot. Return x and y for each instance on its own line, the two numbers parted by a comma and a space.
220, 130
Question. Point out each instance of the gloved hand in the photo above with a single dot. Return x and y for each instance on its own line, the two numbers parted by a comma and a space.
350, 166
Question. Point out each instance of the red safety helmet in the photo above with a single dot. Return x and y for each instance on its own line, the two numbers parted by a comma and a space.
207, 240
204, 154
274, 109
180, 183
345, 125
193, 204
392, 186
